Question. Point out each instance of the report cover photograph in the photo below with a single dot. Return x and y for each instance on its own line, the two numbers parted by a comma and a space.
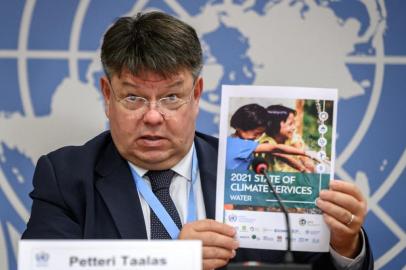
289, 133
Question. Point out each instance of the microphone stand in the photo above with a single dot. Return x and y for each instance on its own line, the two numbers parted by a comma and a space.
288, 255
288, 263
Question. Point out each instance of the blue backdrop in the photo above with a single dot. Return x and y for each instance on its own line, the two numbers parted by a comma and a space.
49, 97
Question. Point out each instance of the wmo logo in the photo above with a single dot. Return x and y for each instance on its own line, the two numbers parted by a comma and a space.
42, 259
232, 218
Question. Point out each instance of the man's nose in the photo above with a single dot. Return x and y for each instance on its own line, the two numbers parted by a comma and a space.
152, 114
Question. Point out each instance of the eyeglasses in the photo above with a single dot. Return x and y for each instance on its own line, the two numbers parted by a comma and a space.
166, 106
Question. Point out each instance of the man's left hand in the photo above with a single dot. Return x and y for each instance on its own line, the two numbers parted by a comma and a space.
344, 210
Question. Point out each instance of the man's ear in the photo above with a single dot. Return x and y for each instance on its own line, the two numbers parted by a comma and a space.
197, 94
198, 89
106, 91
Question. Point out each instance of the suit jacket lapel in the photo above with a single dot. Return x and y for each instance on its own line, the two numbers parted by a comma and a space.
117, 188
207, 156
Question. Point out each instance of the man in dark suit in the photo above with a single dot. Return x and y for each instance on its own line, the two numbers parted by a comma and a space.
102, 189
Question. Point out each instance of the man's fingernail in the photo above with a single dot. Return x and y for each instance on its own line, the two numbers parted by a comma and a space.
236, 244
233, 253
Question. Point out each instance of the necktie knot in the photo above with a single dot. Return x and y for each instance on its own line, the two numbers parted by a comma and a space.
160, 179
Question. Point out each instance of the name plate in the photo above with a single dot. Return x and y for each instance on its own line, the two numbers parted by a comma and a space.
109, 254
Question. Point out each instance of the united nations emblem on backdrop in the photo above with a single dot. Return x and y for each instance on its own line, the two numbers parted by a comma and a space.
49, 87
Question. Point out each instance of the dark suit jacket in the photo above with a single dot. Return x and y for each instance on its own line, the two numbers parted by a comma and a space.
88, 192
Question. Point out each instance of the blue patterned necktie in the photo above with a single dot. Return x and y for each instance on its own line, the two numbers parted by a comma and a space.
160, 182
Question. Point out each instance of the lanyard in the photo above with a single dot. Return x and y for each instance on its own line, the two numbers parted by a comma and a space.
157, 206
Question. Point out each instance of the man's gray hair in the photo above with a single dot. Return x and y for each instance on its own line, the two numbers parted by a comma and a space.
151, 42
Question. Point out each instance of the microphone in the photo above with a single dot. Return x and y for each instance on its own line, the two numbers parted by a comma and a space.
260, 166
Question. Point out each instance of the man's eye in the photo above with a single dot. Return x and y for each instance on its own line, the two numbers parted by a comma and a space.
133, 98
172, 98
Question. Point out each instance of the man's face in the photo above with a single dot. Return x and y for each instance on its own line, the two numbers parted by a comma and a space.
152, 140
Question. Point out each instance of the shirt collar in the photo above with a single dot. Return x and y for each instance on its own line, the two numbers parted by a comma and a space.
182, 168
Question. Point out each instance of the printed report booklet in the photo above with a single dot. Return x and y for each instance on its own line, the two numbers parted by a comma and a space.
290, 132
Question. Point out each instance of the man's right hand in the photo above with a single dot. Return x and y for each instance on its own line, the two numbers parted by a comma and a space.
218, 240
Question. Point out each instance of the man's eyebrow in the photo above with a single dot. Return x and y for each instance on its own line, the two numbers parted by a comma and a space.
176, 83
135, 85
130, 84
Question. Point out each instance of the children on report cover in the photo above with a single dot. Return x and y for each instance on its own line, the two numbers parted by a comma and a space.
250, 122
281, 127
